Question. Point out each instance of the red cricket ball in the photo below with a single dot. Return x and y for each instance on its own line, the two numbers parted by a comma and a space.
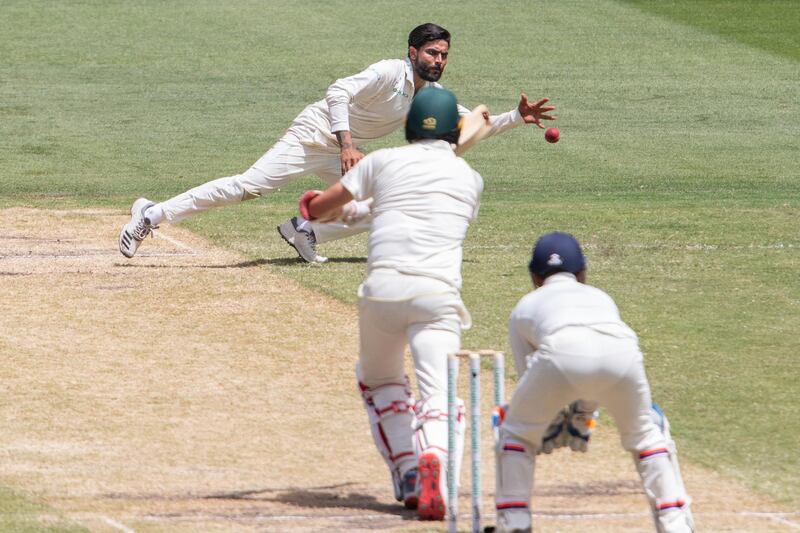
552, 135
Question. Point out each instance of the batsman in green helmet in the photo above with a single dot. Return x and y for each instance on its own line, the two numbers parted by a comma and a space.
433, 115
424, 197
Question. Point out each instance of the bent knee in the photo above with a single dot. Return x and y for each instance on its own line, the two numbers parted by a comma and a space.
646, 437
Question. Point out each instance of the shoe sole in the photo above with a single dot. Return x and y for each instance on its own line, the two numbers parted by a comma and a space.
430, 504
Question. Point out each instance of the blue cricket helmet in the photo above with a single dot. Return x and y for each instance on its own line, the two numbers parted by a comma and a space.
556, 252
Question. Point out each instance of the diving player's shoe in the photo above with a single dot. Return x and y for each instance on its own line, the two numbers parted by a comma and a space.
302, 240
137, 228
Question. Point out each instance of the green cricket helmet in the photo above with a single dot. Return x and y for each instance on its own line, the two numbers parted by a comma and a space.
433, 115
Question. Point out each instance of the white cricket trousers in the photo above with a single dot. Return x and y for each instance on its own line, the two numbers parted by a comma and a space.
579, 363
287, 160
397, 310
427, 315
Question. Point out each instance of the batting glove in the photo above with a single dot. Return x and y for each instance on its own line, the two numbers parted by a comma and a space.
354, 211
305, 200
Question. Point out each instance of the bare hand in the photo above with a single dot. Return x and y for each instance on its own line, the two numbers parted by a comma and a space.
350, 156
534, 113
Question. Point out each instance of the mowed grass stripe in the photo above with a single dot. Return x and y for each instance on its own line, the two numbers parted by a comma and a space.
772, 25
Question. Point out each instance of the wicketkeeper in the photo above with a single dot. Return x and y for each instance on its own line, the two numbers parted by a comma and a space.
571, 347
424, 197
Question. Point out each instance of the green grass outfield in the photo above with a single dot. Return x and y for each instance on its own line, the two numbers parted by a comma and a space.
678, 164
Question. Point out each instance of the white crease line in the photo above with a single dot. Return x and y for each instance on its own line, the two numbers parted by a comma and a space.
175, 242
706, 247
587, 516
777, 516
652, 246
117, 525
33, 257
783, 521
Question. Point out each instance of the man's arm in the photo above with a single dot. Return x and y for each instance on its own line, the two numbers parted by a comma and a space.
324, 205
364, 85
525, 113
350, 154
521, 347
338, 202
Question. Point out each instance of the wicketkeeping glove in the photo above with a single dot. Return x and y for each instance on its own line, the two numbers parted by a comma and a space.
579, 426
556, 435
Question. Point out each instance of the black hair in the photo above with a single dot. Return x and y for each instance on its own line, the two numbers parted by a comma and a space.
427, 32
451, 136
549, 272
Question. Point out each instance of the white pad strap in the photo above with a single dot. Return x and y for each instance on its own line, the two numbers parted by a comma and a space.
431, 428
390, 409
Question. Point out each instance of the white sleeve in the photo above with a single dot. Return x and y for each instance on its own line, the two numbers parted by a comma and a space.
479, 180
521, 346
359, 87
500, 123
505, 121
359, 179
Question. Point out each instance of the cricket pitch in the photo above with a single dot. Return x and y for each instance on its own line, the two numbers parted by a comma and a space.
189, 389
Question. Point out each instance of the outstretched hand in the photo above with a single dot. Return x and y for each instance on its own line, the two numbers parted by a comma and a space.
534, 113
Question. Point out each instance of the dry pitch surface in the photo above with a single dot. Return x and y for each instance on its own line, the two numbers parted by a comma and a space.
191, 390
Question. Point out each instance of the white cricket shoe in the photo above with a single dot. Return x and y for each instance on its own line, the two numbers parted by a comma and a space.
134, 232
302, 240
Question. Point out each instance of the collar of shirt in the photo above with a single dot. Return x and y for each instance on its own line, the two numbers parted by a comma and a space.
560, 277
435, 144
410, 74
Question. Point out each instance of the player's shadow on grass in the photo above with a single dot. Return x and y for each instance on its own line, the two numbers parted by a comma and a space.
287, 261
328, 497
280, 261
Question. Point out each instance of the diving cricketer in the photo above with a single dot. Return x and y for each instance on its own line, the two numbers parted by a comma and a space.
325, 139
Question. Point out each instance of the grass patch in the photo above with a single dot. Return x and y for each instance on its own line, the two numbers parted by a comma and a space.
20, 515
773, 26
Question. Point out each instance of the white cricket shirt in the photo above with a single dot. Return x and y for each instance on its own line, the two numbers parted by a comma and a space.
559, 303
424, 197
371, 104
